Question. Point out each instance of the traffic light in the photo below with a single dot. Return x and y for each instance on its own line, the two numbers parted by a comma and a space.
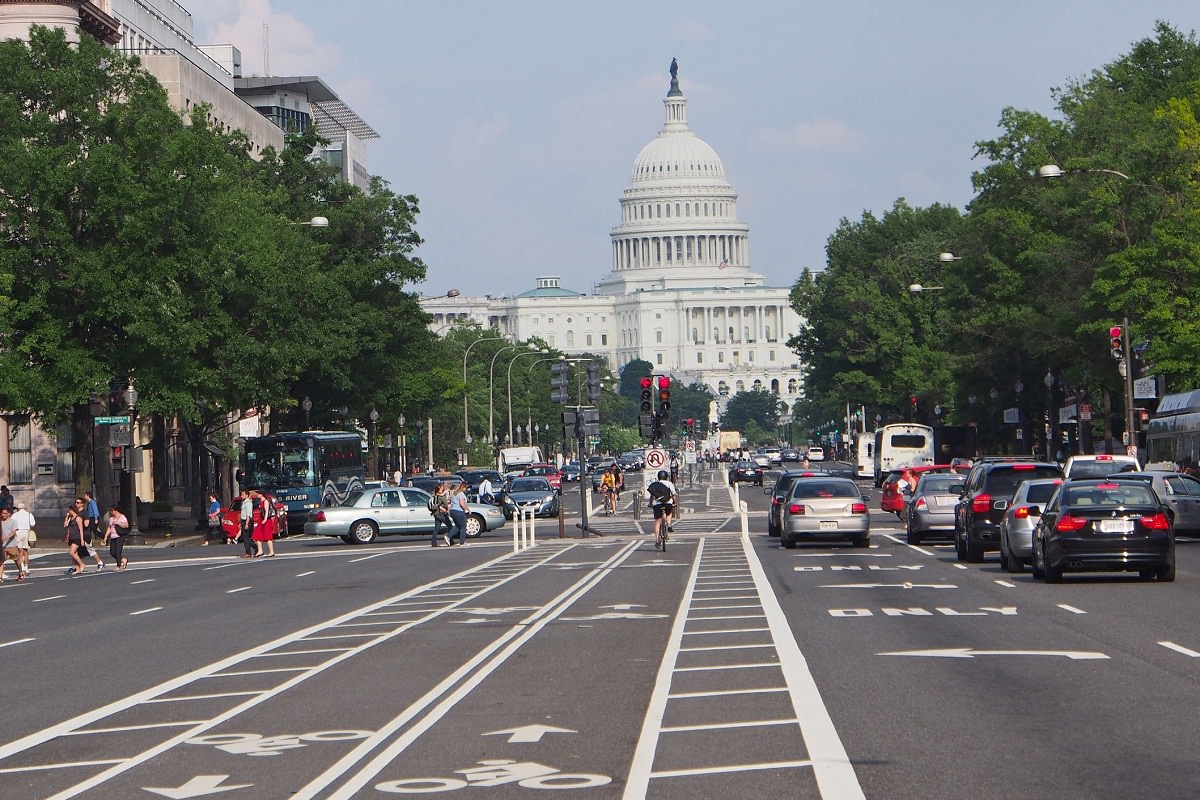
593, 383
120, 456
647, 406
691, 427
646, 426
1116, 340
664, 395
560, 378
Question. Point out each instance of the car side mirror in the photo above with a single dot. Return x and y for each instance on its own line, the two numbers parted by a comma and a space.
960, 490
866, 499
768, 490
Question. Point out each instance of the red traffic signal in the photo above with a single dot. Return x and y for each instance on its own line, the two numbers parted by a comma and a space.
646, 382
664, 382
1116, 338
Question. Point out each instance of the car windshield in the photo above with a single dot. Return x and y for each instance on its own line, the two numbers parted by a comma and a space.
1006, 481
539, 470
947, 484
812, 489
530, 485
1093, 469
1109, 494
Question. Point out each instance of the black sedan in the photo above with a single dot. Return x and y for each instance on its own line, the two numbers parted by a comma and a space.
1106, 525
746, 470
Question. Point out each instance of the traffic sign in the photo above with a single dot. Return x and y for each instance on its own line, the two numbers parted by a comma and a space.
690, 445
656, 458
111, 420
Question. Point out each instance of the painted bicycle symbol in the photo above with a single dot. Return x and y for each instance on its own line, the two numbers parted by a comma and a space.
253, 744
497, 772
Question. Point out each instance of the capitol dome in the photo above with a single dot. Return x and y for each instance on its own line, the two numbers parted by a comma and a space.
674, 157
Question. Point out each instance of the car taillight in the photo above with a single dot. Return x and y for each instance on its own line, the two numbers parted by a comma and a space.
318, 516
920, 504
795, 508
1067, 523
776, 501
1021, 512
858, 508
981, 503
1158, 522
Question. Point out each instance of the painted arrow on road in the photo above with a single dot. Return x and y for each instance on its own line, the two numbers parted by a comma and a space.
624, 606
528, 734
905, 585
967, 652
197, 787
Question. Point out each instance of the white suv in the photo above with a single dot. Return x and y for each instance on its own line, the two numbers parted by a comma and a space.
815, 454
1099, 466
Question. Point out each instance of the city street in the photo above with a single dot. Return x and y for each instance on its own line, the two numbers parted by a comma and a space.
723, 667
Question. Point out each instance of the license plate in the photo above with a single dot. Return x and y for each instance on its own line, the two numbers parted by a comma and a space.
828, 525
1116, 525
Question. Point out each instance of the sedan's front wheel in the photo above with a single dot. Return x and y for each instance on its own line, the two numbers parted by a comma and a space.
363, 532
475, 526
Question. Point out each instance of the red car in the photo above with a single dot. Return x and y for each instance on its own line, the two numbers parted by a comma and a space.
892, 500
231, 518
547, 471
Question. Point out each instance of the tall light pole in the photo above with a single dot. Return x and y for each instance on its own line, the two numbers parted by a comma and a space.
492, 393
373, 450
131, 399
532, 352
1125, 365
403, 446
306, 406
466, 427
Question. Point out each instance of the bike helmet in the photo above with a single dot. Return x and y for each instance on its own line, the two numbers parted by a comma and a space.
662, 474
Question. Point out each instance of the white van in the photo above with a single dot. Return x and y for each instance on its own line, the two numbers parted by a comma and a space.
1099, 466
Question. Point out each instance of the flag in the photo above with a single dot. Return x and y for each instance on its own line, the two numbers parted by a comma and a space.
724, 263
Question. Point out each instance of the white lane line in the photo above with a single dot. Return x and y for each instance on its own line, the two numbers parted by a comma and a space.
1072, 609
315, 651
365, 558
462, 681
831, 764
51, 597
687, 773
722, 726
38, 767
723, 647
221, 566
239, 589
1180, 649
18, 641
697, 600
727, 616
122, 729
367, 635
841, 554
306, 574
1006, 583
725, 608
185, 698
147, 580
961, 566
718, 668
725, 630
254, 672
145, 611
727, 693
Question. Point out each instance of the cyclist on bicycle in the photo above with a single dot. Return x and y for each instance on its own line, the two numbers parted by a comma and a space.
608, 488
662, 496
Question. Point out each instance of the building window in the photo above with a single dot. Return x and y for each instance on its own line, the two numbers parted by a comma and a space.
720, 356
551, 341
658, 336
570, 339
740, 386
792, 386
64, 469
589, 344
758, 385
20, 451
749, 355
770, 355
695, 334
604, 339
658, 359
699, 357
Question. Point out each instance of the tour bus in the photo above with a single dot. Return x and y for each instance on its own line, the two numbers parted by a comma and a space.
902, 444
1173, 436
864, 456
303, 470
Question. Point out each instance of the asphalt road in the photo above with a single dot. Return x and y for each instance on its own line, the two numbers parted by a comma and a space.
598, 666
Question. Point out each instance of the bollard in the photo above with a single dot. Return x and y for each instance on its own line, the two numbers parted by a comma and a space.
745, 512
523, 529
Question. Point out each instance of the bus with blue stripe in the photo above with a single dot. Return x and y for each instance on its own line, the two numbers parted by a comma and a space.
304, 470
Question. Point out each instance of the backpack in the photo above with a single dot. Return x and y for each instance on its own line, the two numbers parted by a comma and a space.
659, 492
432, 505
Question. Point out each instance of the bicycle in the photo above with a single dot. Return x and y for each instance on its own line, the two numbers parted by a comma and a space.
660, 534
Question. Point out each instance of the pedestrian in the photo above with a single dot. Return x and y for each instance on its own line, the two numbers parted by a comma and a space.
114, 536
246, 523
7, 500
487, 492
73, 535
91, 527
458, 513
214, 521
263, 510
23, 524
439, 507
8, 540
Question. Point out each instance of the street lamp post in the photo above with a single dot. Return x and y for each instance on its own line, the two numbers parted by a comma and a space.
491, 391
306, 406
373, 417
466, 426
533, 351
131, 399
403, 446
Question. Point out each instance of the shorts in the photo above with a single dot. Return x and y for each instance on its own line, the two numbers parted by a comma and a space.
13, 553
22, 542
664, 510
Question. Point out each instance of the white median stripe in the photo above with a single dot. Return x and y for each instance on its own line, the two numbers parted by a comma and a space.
306, 574
17, 641
1072, 609
239, 589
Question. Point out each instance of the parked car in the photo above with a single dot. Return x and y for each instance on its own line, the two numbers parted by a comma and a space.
533, 493
1179, 492
826, 508
746, 470
1103, 525
1098, 466
761, 458
789, 454
930, 510
779, 494
1016, 529
987, 492
570, 472
547, 471
815, 453
391, 511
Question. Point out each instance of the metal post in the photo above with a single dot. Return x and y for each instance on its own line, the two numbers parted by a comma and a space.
1131, 434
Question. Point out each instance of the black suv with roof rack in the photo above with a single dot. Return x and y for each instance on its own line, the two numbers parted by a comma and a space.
986, 493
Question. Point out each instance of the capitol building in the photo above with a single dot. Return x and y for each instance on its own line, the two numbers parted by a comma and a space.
680, 293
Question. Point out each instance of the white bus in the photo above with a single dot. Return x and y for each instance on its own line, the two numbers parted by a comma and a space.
902, 445
864, 455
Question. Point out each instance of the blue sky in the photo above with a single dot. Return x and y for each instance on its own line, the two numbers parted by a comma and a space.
516, 123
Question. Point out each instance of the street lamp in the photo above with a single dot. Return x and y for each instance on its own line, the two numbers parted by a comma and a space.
373, 417
916, 288
466, 427
403, 446
315, 222
533, 351
131, 399
948, 257
491, 390
1055, 171
449, 293
306, 407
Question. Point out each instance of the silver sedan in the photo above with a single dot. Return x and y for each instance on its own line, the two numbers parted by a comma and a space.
1016, 529
825, 508
391, 511
930, 510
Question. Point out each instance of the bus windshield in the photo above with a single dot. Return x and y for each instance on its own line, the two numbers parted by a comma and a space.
276, 467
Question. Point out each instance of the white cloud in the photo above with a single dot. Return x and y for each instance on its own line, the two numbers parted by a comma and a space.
294, 48
691, 30
825, 135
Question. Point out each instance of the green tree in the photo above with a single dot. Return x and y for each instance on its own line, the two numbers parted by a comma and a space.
756, 407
